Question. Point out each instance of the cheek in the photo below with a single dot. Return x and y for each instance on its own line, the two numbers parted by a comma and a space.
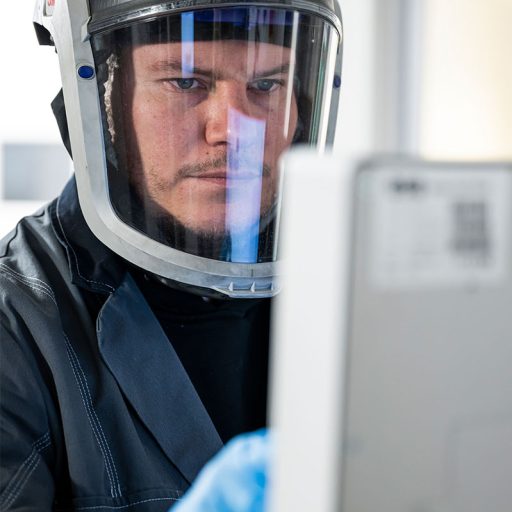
161, 133
149, 123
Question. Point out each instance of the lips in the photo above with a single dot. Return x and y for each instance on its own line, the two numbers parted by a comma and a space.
220, 175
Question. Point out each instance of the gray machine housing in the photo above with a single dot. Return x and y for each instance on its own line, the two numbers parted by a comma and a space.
391, 382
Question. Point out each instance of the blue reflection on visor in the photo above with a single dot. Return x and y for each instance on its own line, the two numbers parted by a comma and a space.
243, 17
187, 39
246, 146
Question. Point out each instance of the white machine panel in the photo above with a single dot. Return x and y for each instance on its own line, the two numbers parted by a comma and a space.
415, 376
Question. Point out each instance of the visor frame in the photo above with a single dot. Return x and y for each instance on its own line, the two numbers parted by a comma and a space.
68, 27
119, 15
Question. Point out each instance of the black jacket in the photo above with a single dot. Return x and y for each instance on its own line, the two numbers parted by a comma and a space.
89, 421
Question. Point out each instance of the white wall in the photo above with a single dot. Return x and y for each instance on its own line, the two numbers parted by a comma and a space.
30, 80
356, 134
466, 111
428, 77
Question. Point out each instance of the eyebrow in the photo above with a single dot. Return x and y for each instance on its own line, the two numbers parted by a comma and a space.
274, 71
177, 66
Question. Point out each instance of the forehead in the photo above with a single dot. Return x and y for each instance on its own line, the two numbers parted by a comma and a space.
215, 55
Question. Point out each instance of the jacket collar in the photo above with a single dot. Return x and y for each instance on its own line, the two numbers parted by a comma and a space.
134, 346
136, 350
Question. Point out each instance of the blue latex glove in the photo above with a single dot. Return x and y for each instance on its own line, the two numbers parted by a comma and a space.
234, 480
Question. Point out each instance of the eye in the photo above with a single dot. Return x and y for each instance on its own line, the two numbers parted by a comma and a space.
266, 85
185, 84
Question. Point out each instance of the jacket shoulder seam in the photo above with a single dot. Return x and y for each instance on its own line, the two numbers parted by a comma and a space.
34, 283
15, 231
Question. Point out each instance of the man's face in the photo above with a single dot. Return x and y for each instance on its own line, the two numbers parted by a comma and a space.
208, 122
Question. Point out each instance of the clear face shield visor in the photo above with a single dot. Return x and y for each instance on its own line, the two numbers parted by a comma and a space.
197, 108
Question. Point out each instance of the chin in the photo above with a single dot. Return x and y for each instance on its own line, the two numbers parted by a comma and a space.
208, 227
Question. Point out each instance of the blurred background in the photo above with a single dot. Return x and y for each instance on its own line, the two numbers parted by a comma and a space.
424, 77
33, 162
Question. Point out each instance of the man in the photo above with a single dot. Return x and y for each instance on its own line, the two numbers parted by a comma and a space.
135, 307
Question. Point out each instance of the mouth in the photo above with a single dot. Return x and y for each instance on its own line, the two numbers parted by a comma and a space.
222, 177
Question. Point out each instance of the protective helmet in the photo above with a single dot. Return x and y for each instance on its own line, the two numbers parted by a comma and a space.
178, 112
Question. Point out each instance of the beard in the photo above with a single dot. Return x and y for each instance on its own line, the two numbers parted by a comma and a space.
145, 215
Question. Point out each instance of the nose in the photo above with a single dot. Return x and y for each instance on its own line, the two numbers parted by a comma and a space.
228, 96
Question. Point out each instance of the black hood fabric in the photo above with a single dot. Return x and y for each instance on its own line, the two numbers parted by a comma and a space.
59, 111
